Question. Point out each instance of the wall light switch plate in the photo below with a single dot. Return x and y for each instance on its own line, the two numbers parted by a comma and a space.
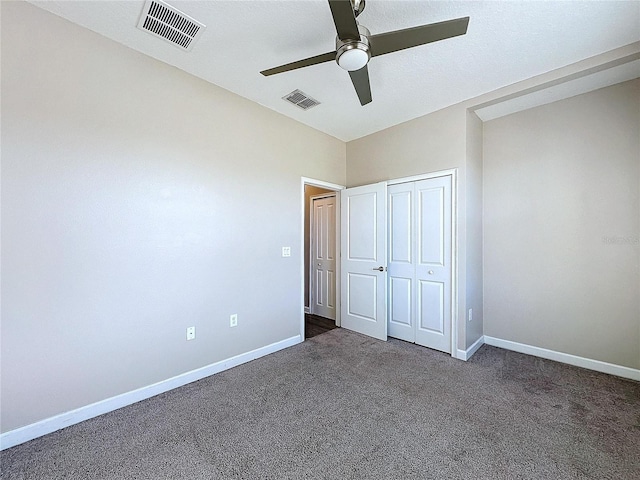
191, 333
470, 314
286, 251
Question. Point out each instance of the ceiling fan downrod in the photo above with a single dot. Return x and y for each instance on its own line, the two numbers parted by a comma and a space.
358, 6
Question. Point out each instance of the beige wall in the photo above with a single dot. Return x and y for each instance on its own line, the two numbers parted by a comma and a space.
561, 226
136, 201
474, 264
427, 144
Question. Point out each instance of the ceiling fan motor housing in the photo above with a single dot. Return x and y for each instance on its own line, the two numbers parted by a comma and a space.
354, 54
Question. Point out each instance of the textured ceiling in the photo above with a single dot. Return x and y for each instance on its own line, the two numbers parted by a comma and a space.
507, 41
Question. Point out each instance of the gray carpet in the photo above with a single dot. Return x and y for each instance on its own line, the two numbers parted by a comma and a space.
343, 406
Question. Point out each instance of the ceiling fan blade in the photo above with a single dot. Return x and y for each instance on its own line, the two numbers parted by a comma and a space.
360, 80
345, 20
325, 57
384, 43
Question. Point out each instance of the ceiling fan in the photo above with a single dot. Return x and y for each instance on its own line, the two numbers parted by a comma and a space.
355, 45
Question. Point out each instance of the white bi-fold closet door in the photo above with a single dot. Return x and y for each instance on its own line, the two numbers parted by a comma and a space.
420, 262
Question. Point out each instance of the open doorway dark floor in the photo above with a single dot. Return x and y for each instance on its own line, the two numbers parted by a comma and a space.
315, 325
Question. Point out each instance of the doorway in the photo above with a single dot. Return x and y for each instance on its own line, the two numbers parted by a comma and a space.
320, 276
322, 258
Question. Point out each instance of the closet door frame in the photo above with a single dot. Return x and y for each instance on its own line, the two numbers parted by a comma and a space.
453, 173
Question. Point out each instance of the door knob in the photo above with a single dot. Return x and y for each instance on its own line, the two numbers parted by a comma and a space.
380, 269
430, 272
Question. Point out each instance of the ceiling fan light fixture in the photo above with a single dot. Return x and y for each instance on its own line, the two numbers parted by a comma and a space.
353, 58
352, 55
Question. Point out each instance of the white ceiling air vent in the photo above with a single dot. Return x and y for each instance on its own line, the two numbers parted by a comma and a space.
301, 99
167, 22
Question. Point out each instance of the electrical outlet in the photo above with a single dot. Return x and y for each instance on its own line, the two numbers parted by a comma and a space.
470, 314
233, 320
191, 333
286, 251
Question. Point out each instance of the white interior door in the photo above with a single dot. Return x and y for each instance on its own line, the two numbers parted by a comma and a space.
420, 262
363, 259
401, 262
433, 263
323, 257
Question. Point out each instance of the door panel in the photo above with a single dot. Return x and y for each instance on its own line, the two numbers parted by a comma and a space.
401, 309
331, 291
318, 297
400, 225
431, 306
400, 300
331, 230
364, 250
362, 215
431, 225
323, 260
361, 289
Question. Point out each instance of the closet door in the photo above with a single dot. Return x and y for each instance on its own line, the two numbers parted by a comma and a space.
401, 262
433, 263
420, 275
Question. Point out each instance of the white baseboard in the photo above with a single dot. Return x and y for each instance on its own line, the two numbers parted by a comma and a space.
49, 425
597, 365
468, 353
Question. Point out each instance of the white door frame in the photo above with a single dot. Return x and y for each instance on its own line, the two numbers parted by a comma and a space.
453, 173
336, 188
311, 214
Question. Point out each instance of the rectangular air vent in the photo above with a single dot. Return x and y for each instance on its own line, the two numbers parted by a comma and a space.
169, 23
301, 99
